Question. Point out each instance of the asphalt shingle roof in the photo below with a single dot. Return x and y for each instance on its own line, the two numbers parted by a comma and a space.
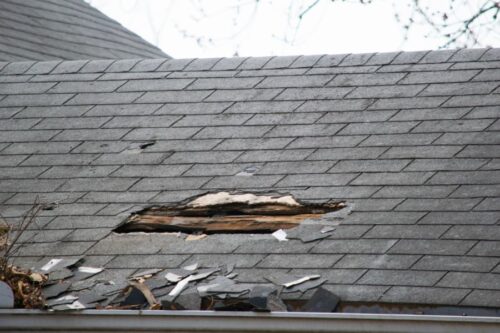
411, 139
70, 29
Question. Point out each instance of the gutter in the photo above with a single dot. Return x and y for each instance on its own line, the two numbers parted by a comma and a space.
21, 320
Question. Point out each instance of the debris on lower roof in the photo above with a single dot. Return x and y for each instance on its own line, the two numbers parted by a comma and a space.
187, 288
225, 212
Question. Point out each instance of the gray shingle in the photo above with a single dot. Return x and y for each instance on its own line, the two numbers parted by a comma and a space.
378, 128
298, 261
103, 98
86, 87
335, 141
475, 191
409, 103
335, 105
486, 232
150, 261
486, 248
141, 121
356, 117
317, 180
369, 165
384, 261
438, 204
436, 77
284, 119
172, 96
212, 120
229, 132
445, 164
274, 155
245, 144
406, 231
263, 107
90, 134
78, 171
152, 85
243, 95
456, 263
474, 218
24, 88
313, 93
163, 184
203, 157
401, 178
295, 167
437, 247
400, 139
159, 133
354, 246
470, 280
386, 91
98, 184
431, 114
304, 130
52, 111
67, 123
422, 152
366, 79
425, 295
482, 298
401, 278
242, 182
35, 100
419, 191
193, 108
470, 88
453, 125
294, 81
150, 170
466, 177
224, 83
472, 100
346, 153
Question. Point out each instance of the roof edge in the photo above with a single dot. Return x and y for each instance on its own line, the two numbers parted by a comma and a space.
211, 321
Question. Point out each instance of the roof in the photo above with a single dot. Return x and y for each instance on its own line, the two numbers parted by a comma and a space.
410, 139
72, 29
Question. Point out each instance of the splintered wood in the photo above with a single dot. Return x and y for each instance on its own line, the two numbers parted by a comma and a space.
228, 213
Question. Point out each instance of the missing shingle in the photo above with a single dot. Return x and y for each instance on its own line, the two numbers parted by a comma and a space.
225, 212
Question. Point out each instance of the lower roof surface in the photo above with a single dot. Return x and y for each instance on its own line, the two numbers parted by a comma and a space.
410, 139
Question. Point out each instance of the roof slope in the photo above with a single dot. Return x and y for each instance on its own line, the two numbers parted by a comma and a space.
51, 29
412, 139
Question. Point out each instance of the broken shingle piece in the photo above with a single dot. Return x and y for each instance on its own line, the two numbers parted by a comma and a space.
145, 274
58, 275
259, 297
322, 301
66, 299
84, 272
57, 264
303, 287
289, 280
76, 305
56, 289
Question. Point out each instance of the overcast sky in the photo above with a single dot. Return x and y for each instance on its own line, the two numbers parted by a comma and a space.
210, 28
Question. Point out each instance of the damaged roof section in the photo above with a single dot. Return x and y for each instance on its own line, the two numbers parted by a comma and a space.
225, 212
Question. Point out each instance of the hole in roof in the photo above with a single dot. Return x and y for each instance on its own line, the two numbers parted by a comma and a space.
225, 212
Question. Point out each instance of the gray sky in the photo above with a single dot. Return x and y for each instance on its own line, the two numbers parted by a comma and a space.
210, 28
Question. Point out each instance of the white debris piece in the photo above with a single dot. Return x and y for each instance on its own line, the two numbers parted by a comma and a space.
301, 280
280, 235
51, 264
221, 198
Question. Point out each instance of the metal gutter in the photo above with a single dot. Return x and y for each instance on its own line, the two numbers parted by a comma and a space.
210, 321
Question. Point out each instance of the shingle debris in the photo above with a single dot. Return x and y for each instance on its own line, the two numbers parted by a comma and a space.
188, 288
